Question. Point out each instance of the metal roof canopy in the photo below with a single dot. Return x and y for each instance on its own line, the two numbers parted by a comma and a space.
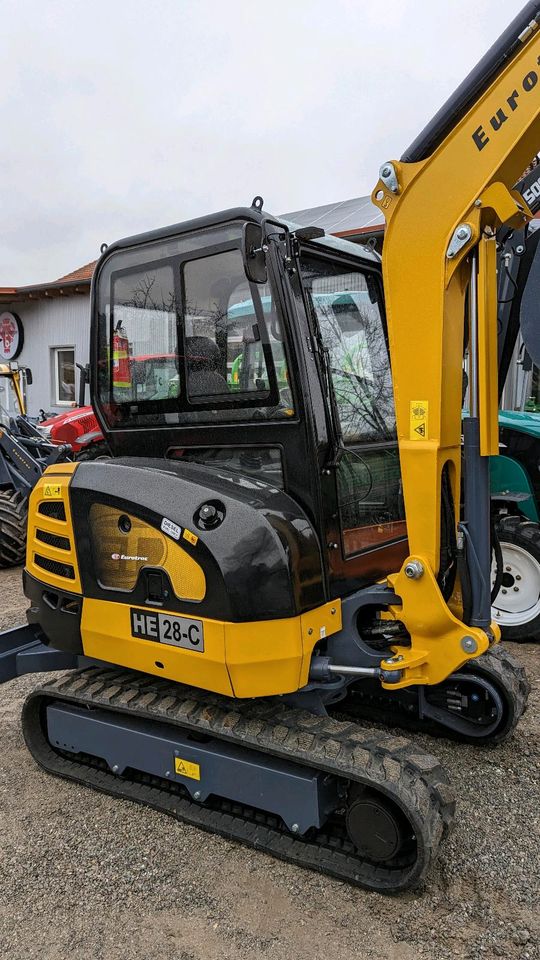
345, 218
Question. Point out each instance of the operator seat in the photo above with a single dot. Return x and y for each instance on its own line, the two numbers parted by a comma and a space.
204, 358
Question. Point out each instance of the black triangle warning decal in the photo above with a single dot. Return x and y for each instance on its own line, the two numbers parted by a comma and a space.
421, 429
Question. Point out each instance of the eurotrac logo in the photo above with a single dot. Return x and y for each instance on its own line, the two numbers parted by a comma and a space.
504, 113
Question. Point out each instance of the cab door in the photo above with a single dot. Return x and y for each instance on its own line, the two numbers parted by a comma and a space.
345, 301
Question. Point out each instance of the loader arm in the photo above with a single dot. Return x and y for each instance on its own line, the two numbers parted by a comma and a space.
443, 202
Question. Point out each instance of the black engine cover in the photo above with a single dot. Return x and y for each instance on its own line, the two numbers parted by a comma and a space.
259, 552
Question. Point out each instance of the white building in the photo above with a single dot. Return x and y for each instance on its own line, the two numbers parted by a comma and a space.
55, 322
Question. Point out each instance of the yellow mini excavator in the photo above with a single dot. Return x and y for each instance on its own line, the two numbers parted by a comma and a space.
282, 544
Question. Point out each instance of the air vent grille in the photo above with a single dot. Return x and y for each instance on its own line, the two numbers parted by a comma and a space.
53, 508
53, 539
54, 566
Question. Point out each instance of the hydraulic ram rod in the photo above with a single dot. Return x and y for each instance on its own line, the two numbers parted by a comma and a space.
476, 478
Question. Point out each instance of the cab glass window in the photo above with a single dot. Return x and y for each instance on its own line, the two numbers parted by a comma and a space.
232, 335
189, 340
144, 347
346, 304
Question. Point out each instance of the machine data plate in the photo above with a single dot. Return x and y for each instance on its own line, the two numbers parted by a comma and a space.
166, 628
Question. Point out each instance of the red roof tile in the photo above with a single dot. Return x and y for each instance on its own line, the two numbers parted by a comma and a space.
83, 273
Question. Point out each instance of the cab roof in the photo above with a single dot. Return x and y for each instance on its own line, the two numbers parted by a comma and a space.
251, 214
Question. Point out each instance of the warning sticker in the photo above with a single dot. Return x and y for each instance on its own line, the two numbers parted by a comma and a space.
191, 538
53, 491
419, 420
187, 769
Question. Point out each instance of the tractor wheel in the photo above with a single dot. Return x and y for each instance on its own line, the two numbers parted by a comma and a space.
13, 516
95, 451
516, 607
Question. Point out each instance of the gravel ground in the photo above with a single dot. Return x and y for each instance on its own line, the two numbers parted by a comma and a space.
91, 878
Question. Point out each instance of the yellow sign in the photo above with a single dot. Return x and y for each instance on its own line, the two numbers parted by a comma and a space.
419, 420
187, 769
191, 538
53, 491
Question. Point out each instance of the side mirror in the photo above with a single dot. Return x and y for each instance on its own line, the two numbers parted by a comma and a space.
254, 253
85, 378
29, 377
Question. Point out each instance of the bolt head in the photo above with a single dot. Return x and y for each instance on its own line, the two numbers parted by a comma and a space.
469, 645
197, 795
295, 828
518, 576
516, 589
386, 171
462, 233
414, 570
504, 591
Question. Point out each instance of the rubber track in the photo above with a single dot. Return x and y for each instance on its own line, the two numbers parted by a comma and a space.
510, 673
496, 664
392, 765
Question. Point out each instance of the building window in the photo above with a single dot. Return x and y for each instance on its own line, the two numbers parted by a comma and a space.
64, 376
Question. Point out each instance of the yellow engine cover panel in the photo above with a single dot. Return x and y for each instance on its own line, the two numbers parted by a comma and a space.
106, 635
120, 556
51, 555
258, 659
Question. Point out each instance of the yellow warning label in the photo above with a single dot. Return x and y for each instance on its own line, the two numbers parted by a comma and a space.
187, 769
191, 538
53, 491
419, 420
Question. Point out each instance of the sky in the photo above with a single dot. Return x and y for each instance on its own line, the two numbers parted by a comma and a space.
119, 116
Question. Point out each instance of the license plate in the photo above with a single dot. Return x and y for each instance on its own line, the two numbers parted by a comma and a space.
165, 628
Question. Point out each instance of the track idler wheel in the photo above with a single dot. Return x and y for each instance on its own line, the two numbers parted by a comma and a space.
482, 702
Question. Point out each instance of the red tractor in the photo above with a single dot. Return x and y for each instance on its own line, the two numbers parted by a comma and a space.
80, 429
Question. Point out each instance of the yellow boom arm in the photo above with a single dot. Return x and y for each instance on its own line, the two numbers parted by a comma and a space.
443, 203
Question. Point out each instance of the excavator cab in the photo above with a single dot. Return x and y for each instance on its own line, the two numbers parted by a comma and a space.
300, 360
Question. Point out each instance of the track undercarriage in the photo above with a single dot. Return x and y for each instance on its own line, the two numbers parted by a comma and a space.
366, 806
